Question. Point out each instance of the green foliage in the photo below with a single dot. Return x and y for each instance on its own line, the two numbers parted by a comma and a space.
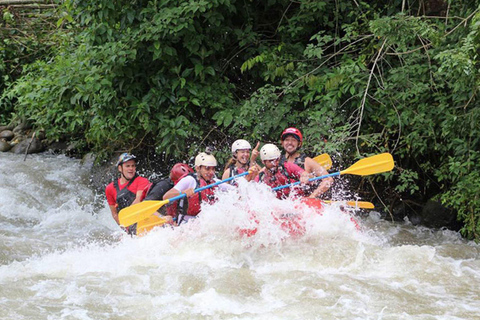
357, 77
464, 196
25, 36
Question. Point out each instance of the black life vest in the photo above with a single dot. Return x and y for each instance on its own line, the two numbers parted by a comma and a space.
299, 161
125, 197
234, 171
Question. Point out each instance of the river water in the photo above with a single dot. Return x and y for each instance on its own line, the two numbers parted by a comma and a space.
63, 257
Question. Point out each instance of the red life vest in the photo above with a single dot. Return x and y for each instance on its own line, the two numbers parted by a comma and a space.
279, 178
195, 201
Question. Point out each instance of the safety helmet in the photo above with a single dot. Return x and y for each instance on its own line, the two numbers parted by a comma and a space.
204, 159
179, 170
124, 157
240, 144
293, 132
269, 152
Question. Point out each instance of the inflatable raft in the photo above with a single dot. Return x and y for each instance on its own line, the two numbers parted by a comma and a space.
292, 223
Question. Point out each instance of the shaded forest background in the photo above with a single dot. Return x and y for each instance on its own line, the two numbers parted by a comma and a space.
173, 77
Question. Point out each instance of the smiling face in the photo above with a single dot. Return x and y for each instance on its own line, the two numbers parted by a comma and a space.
290, 144
243, 156
128, 169
207, 173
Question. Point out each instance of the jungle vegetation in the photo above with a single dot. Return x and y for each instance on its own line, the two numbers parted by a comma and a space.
174, 76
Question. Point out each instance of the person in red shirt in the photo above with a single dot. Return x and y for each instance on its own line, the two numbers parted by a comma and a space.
128, 189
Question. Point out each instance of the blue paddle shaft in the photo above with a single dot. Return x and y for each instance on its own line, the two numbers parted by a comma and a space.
311, 179
209, 186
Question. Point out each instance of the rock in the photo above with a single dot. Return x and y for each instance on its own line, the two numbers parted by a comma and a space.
88, 160
17, 139
21, 127
404, 209
21, 147
8, 127
58, 147
41, 135
74, 149
435, 215
7, 135
4, 146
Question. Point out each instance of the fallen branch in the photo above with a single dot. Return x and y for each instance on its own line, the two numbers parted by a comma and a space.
28, 148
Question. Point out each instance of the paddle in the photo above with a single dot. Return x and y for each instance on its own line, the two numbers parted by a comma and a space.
324, 160
364, 167
357, 204
148, 224
144, 209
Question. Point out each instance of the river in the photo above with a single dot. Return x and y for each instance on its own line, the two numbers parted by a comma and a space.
63, 257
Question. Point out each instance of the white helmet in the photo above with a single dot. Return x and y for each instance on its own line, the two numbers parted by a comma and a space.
204, 159
269, 152
240, 144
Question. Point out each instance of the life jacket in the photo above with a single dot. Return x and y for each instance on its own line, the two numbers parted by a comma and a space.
280, 178
180, 206
125, 197
156, 191
195, 201
299, 161
234, 171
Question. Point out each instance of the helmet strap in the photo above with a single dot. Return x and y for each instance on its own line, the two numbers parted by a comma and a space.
121, 173
294, 151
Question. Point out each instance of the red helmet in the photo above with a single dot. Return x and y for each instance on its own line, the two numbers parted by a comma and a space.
294, 132
179, 170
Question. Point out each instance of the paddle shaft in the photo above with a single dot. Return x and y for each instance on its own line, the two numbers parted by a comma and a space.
311, 179
364, 167
143, 210
208, 187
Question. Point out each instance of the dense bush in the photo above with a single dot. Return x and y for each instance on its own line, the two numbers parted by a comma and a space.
359, 78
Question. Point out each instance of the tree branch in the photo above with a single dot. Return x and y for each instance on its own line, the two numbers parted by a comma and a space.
362, 106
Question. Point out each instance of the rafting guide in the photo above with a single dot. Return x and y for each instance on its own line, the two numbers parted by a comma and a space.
126, 190
292, 140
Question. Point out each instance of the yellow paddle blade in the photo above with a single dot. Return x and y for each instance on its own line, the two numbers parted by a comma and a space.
324, 160
139, 211
371, 165
148, 224
357, 204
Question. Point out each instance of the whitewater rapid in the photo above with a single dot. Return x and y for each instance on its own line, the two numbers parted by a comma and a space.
63, 257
